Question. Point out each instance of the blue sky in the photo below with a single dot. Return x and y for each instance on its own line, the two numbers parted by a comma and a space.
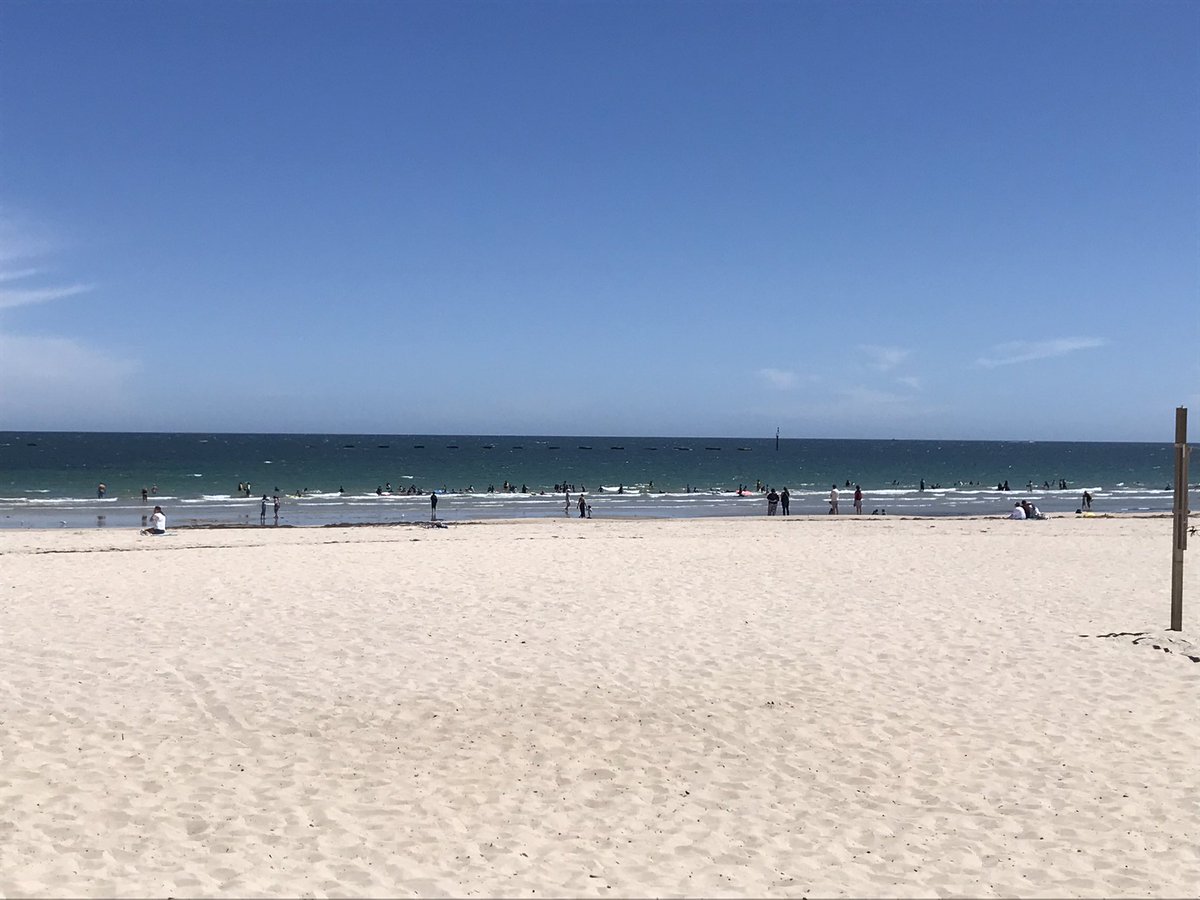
908, 219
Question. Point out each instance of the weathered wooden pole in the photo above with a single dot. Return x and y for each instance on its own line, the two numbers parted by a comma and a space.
1181, 518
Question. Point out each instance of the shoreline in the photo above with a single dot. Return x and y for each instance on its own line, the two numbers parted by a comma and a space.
118, 514
445, 522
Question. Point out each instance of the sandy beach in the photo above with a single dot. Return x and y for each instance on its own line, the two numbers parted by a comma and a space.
869, 706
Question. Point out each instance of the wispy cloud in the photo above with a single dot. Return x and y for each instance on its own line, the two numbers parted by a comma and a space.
17, 274
51, 381
910, 381
21, 246
884, 358
779, 378
1027, 351
27, 296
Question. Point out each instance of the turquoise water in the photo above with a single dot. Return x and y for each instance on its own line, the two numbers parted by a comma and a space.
50, 478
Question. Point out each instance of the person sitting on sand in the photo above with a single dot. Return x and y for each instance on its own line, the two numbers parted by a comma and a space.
1018, 512
158, 522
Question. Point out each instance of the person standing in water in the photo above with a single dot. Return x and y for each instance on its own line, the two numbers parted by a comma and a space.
433, 506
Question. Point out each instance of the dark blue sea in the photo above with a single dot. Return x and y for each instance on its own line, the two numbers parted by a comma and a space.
51, 479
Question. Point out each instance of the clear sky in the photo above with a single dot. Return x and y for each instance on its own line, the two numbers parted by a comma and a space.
842, 219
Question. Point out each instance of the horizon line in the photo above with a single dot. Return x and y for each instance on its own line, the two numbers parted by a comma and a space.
449, 434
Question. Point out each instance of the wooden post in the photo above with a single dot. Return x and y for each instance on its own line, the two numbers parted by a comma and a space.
1179, 543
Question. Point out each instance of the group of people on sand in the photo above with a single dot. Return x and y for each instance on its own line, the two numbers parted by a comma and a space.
1025, 509
782, 501
834, 497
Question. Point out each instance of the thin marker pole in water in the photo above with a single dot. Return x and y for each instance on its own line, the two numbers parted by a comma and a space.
776, 438
1181, 518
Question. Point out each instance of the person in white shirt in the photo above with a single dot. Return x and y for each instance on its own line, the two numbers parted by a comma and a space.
158, 522
1017, 513
833, 499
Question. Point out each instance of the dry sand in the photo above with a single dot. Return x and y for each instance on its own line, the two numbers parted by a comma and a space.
766, 707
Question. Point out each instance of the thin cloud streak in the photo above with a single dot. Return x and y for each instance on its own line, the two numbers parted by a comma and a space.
19, 274
1027, 351
29, 296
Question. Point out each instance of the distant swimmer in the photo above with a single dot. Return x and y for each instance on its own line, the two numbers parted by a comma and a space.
145, 494
101, 489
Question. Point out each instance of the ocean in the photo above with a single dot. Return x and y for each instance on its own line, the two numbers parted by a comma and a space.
51, 479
